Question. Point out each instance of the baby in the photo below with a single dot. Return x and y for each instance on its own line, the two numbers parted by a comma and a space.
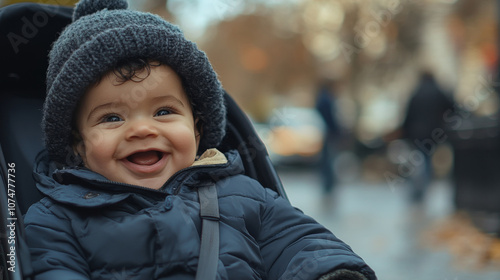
139, 141
142, 111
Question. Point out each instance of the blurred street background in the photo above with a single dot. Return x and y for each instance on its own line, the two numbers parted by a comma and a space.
381, 117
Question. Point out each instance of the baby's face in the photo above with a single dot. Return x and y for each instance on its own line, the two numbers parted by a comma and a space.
138, 133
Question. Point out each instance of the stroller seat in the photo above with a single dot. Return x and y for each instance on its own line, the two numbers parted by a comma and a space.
30, 29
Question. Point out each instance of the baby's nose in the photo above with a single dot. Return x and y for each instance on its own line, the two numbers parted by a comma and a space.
141, 129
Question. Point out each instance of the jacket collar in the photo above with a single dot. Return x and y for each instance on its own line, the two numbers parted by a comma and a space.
82, 187
210, 157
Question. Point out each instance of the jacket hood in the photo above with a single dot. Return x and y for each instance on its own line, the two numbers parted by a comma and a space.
76, 185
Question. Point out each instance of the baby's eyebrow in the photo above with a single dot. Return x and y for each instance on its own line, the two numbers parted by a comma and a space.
168, 98
103, 107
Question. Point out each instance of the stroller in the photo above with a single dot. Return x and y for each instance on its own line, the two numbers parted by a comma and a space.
28, 29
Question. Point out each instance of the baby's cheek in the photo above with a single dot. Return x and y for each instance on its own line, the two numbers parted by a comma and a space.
184, 145
99, 158
190, 145
94, 139
99, 148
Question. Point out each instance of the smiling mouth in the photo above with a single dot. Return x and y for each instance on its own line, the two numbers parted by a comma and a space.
145, 158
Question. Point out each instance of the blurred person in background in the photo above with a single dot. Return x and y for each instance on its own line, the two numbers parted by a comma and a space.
326, 106
424, 128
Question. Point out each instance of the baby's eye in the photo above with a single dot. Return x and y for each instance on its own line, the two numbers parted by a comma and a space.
163, 112
111, 118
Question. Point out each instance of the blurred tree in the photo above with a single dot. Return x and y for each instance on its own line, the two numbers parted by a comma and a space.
254, 62
282, 49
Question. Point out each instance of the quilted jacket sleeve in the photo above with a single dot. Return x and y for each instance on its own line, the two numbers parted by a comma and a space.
297, 247
54, 251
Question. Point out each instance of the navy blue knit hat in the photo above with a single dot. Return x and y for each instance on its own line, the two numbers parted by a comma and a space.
104, 33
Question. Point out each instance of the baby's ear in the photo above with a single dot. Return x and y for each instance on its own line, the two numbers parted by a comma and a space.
198, 131
78, 145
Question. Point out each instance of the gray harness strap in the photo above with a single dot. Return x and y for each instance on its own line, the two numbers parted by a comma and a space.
209, 248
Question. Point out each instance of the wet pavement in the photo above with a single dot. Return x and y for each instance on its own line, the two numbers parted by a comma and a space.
385, 230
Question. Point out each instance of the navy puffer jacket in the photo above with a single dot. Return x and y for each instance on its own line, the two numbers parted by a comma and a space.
90, 228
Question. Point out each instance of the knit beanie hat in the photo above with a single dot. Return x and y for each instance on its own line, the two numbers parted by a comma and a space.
104, 32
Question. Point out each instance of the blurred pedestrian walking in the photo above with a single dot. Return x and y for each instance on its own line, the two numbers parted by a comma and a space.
326, 106
424, 120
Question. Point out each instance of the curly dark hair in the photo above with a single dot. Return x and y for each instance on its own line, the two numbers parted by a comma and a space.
128, 70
